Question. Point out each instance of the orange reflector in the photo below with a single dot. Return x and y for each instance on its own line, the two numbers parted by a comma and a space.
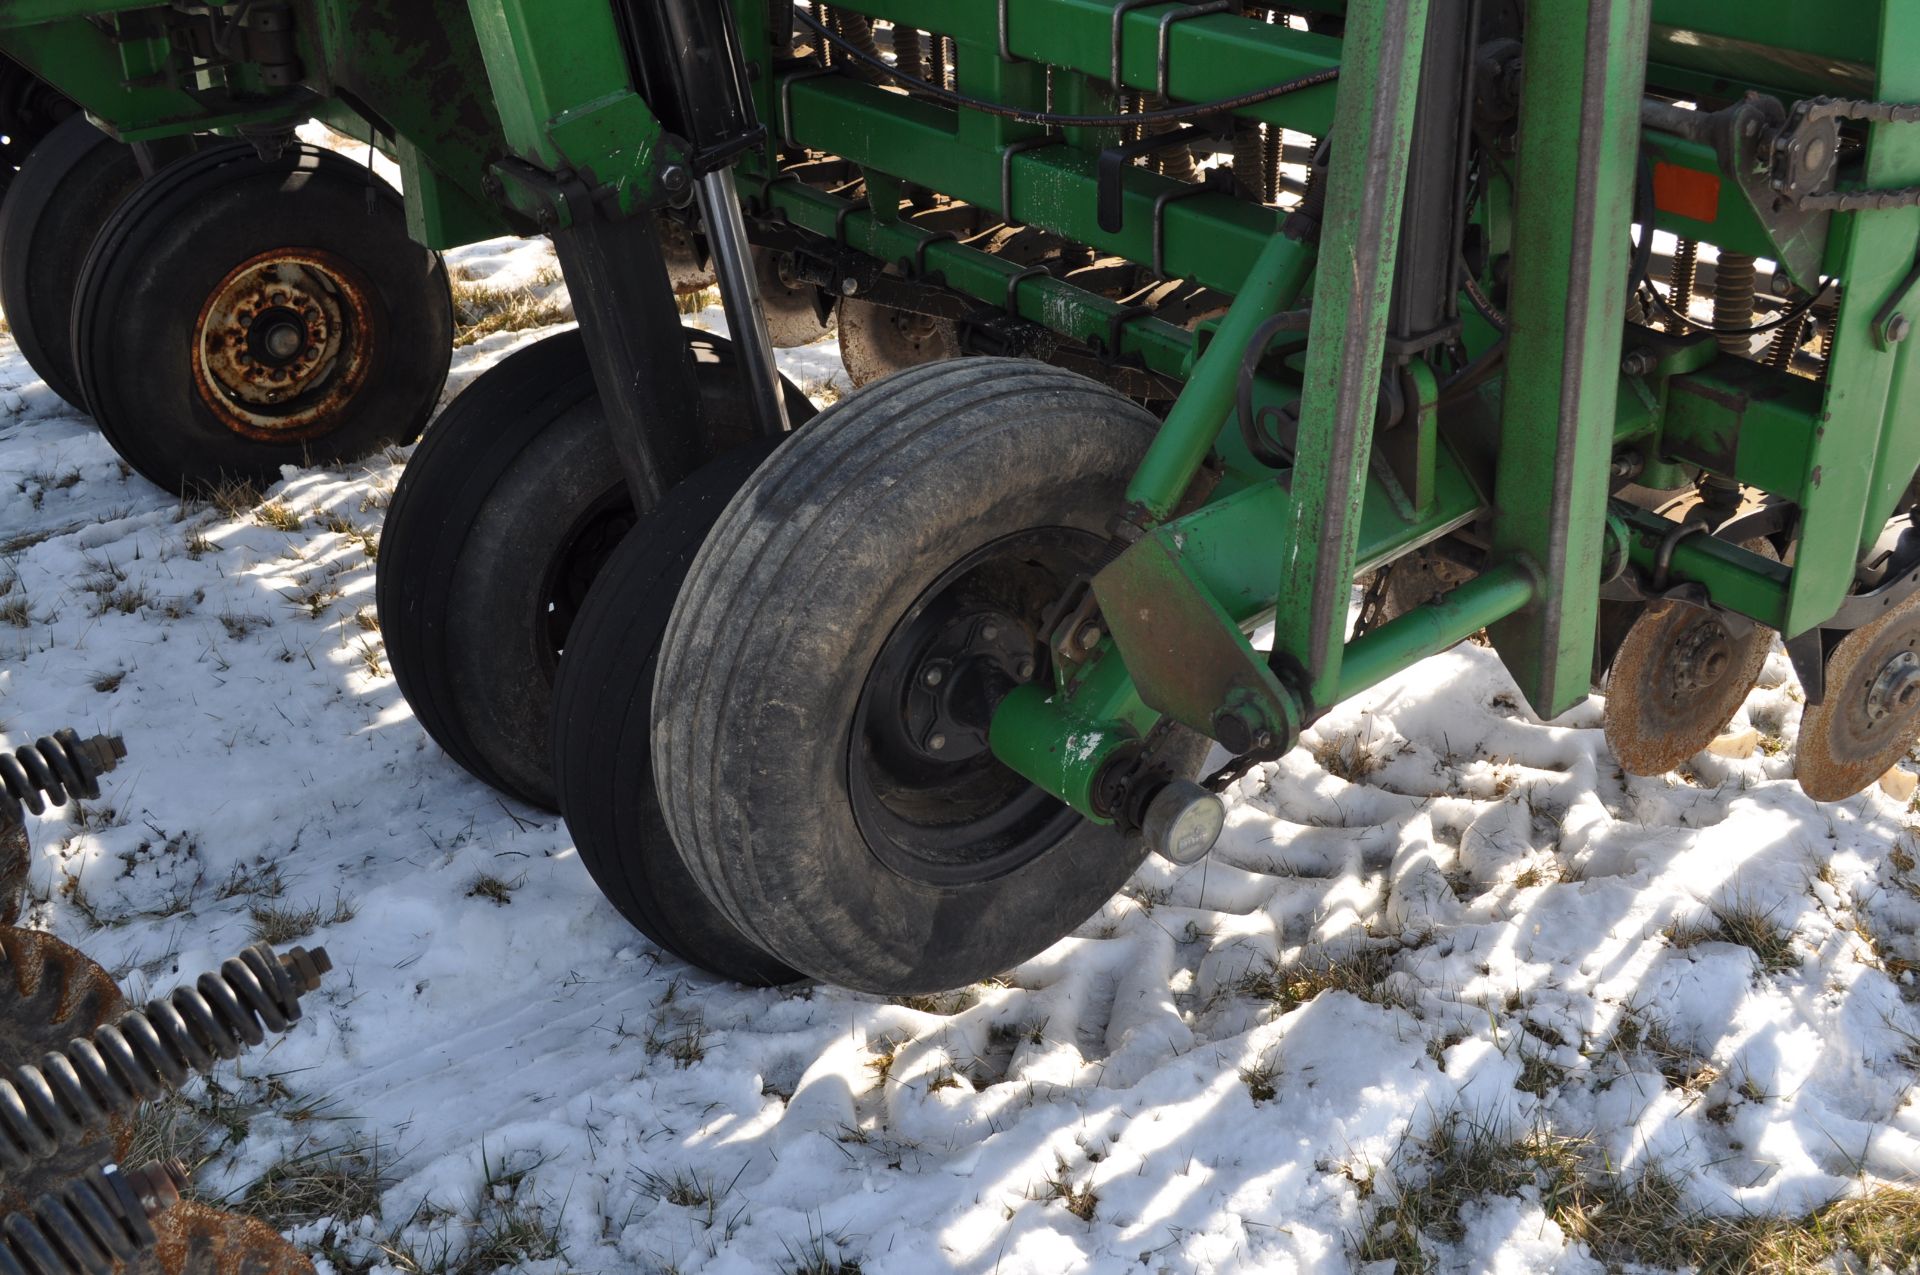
1686, 192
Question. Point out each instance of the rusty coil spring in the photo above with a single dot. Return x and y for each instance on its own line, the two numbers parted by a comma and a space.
55, 767
147, 1052
91, 1225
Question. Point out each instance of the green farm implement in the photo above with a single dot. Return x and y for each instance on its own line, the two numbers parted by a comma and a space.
1586, 323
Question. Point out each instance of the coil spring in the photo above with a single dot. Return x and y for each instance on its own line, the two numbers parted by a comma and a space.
1734, 291
150, 1051
90, 1226
58, 766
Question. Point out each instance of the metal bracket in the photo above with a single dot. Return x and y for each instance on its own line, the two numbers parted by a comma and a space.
1013, 287
1861, 609
1211, 185
1117, 320
1120, 12
1166, 26
1110, 200
920, 249
786, 98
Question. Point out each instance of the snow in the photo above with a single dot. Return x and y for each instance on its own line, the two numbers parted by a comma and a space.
1533, 912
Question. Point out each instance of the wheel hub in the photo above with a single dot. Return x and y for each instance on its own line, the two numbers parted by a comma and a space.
1871, 712
1896, 689
929, 797
969, 667
284, 342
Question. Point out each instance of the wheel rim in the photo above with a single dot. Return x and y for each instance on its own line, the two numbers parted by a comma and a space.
595, 534
285, 341
929, 797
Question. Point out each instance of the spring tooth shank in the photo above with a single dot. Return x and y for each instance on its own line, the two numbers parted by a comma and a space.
91, 1226
149, 1051
55, 767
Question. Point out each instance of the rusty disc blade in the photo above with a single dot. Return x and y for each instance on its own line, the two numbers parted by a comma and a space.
1871, 713
1680, 675
793, 318
50, 993
195, 1239
877, 340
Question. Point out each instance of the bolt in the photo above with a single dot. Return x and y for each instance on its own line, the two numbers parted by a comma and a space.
989, 633
157, 1185
1024, 670
673, 179
933, 677
1639, 362
937, 742
1896, 689
1089, 637
849, 286
306, 966
1898, 329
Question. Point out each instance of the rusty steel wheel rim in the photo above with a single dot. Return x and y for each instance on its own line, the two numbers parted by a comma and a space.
284, 343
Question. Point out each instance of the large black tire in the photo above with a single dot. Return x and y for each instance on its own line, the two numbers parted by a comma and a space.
58, 201
237, 315
30, 108
501, 519
764, 735
602, 733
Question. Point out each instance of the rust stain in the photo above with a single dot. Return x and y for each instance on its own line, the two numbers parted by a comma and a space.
50, 993
285, 343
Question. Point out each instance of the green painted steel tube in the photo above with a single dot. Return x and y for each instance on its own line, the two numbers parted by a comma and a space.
1278, 277
1428, 630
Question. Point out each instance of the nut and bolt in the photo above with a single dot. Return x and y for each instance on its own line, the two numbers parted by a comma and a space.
1896, 689
306, 966
674, 179
1024, 670
1089, 637
1639, 362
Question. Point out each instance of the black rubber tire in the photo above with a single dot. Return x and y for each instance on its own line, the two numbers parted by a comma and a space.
30, 108
166, 251
602, 733
792, 597
517, 476
61, 197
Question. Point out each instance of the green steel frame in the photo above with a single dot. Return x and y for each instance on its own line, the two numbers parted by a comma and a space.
519, 115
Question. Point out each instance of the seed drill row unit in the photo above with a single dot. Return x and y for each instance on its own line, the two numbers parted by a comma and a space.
1583, 322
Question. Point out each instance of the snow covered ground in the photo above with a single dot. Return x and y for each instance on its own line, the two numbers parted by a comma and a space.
1437, 915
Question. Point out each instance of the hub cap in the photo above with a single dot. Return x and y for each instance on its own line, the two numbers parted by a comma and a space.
285, 341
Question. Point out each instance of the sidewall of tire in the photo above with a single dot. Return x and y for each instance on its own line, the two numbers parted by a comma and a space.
785, 611
166, 250
55, 207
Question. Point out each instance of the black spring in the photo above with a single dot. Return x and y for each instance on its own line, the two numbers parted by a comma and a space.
90, 1226
150, 1051
55, 767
